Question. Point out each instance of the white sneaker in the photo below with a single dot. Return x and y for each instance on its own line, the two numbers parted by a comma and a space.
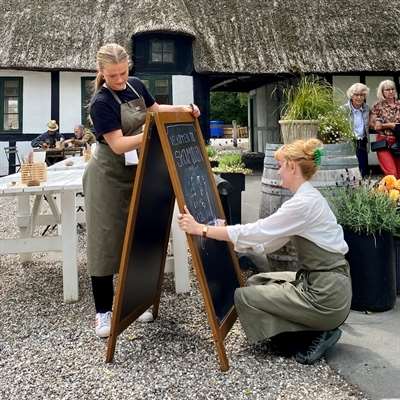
147, 316
103, 324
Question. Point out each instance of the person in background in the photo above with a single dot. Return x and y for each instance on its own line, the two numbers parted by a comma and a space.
302, 311
83, 137
358, 111
48, 139
385, 115
118, 111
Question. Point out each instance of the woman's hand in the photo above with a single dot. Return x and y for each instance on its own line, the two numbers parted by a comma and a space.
195, 111
188, 224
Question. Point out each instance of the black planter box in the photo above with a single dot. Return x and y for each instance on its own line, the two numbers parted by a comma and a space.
372, 267
237, 180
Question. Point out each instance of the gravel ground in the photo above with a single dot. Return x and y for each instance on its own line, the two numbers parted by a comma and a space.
48, 349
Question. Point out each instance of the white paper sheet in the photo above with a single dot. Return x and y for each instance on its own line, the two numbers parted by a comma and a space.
131, 157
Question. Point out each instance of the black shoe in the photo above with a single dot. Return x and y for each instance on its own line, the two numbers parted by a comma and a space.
288, 344
318, 347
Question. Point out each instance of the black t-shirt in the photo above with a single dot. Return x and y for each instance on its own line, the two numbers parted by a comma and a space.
105, 111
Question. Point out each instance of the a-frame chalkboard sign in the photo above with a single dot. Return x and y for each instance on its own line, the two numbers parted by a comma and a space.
174, 163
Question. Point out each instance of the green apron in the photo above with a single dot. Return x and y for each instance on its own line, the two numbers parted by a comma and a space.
317, 297
107, 185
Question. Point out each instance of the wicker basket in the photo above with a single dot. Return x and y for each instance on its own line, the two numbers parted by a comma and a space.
298, 129
31, 172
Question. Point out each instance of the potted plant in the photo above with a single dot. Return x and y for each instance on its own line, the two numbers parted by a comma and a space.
232, 169
304, 103
369, 218
391, 187
212, 156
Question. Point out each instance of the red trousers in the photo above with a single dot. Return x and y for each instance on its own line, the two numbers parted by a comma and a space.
389, 163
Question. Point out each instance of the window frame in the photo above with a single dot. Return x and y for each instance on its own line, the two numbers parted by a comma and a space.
152, 78
163, 43
20, 81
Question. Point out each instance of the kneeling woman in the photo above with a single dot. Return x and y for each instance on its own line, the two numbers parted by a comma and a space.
311, 304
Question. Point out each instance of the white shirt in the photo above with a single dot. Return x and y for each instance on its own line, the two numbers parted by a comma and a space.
306, 214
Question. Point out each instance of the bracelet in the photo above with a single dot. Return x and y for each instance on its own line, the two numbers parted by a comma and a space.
204, 231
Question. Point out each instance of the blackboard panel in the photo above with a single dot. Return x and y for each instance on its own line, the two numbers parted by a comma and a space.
199, 196
151, 231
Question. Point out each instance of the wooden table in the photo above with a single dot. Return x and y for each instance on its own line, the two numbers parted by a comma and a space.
54, 154
65, 184
77, 163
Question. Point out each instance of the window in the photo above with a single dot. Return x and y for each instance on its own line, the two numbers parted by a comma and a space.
162, 51
11, 104
159, 87
86, 95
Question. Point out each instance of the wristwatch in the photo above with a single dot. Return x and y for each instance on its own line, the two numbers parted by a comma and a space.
204, 231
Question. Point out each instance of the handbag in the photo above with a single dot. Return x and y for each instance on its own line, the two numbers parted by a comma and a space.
379, 145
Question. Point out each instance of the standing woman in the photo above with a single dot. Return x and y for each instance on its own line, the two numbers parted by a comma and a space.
358, 112
385, 114
118, 111
304, 308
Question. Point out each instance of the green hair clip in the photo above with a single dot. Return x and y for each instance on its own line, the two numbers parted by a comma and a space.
318, 153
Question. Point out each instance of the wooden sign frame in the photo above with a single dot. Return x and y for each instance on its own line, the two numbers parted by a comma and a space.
220, 327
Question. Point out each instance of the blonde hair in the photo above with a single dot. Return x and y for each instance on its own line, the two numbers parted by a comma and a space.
303, 152
110, 53
387, 84
357, 88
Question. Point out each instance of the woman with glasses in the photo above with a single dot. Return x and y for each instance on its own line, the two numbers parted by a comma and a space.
385, 115
358, 111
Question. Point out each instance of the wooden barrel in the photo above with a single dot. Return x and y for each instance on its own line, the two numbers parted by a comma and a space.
338, 164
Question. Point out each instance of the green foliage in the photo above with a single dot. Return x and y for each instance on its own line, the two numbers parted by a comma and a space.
229, 106
335, 127
309, 99
363, 210
231, 162
211, 152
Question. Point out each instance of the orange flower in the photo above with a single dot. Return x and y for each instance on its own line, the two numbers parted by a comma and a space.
389, 181
394, 194
397, 184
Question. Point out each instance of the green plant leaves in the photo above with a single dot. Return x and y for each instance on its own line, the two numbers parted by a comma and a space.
362, 209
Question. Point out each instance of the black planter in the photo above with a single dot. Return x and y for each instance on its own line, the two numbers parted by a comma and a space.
214, 163
396, 241
253, 160
372, 267
237, 180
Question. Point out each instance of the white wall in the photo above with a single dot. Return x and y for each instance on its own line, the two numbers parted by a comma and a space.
36, 99
182, 89
340, 85
70, 100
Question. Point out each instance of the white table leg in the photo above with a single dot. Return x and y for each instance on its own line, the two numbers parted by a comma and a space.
23, 210
69, 247
35, 213
181, 265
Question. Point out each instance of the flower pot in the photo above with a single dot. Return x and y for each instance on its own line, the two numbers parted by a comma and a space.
292, 130
372, 267
396, 240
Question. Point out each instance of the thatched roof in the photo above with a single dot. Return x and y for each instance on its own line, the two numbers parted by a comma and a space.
248, 36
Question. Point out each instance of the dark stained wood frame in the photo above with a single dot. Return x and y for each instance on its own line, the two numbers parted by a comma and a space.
219, 329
